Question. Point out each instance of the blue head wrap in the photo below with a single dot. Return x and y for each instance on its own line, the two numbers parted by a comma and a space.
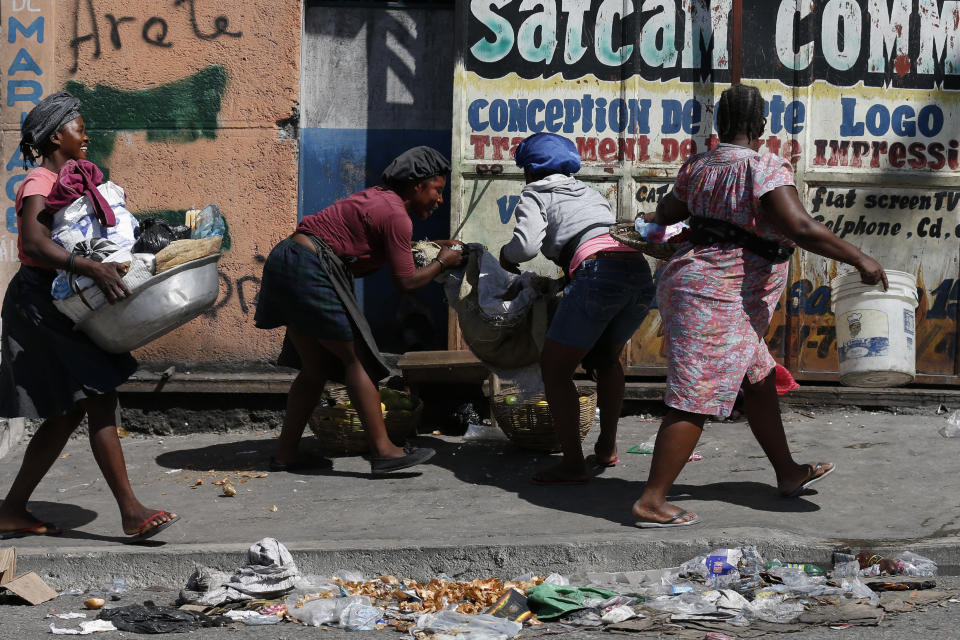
548, 153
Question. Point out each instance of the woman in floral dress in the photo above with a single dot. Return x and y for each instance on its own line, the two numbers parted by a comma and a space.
717, 297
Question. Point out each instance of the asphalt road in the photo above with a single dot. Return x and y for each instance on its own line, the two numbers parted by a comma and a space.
29, 623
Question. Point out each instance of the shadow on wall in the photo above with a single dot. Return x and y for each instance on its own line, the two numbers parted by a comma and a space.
361, 118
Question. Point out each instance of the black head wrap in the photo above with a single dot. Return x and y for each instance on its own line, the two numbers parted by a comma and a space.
43, 121
415, 165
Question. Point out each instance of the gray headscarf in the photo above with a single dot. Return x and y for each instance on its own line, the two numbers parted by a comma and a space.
43, 121
414, 165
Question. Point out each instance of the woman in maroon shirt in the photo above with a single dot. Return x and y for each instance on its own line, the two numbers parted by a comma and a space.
307, 287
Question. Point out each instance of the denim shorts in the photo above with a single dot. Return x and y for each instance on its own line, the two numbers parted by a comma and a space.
604, 304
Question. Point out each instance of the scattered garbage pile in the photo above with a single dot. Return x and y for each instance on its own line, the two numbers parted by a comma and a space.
725, 593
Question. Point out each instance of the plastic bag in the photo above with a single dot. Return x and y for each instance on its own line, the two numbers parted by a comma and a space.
322, 610
857, 590
618, 614
358, 616
149, 618
848, 569
952, 428
77, 222
155, 234
208, 223
770, 606
455, 625
913, 564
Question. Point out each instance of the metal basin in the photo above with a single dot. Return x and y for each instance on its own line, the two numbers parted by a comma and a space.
160, 305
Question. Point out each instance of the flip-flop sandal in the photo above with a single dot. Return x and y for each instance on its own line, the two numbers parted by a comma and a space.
31, 531
814, 476
593, 461
149, 533
672, 522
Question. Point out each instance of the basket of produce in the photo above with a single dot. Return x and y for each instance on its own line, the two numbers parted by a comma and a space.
337, 424
528, 423
626, 233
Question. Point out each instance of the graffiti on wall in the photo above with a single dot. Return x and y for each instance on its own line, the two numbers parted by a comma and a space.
180, 111
89, 24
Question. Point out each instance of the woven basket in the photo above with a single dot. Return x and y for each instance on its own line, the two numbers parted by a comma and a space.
340, 430
529, 424
625, 233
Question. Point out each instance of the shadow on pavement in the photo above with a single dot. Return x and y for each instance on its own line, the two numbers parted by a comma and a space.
70, 518
254, 455
509, 468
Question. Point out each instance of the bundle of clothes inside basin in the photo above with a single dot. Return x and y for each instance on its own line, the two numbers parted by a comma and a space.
89, 217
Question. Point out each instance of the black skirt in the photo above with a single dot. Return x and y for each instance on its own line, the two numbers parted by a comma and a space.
45, 365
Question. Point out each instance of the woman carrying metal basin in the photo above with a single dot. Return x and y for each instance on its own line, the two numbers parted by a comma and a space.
718, 293
47, 369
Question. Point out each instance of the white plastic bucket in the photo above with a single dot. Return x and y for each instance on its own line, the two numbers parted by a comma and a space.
876, 329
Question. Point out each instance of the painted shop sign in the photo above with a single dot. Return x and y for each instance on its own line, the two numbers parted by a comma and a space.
862, 97
27, 55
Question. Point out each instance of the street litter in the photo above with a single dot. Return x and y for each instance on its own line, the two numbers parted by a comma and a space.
86, 628
28, 586
67, 616
725, 592
952, 428
150, 618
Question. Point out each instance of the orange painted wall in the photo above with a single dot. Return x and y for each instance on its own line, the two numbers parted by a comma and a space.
244, 161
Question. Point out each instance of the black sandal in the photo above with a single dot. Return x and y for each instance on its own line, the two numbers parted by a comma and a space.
414, 457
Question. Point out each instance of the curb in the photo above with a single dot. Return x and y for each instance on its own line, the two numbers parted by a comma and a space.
170, 565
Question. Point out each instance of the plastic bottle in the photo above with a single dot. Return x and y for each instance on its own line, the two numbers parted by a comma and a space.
809, 569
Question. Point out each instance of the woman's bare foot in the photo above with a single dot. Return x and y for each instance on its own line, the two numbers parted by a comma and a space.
664, 514
605, 451
25, 522
143, 520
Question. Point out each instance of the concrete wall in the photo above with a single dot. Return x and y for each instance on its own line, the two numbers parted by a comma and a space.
187, 103
194, 102
376, 82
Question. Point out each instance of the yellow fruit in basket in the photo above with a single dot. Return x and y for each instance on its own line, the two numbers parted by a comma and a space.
510, 399
383, 408
583, 398
543, 403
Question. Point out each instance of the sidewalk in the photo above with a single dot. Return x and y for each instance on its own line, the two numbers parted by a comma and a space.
474, 512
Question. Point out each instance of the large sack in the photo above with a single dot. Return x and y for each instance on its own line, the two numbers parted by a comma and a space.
78, 222
503, 317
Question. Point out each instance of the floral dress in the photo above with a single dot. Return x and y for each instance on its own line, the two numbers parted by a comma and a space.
716, 301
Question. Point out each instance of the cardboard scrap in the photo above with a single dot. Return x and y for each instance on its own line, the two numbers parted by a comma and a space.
8, 564
29, 586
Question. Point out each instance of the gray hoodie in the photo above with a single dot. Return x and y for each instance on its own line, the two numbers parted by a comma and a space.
551, 211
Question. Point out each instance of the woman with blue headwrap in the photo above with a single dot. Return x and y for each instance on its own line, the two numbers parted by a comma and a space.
609, 294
